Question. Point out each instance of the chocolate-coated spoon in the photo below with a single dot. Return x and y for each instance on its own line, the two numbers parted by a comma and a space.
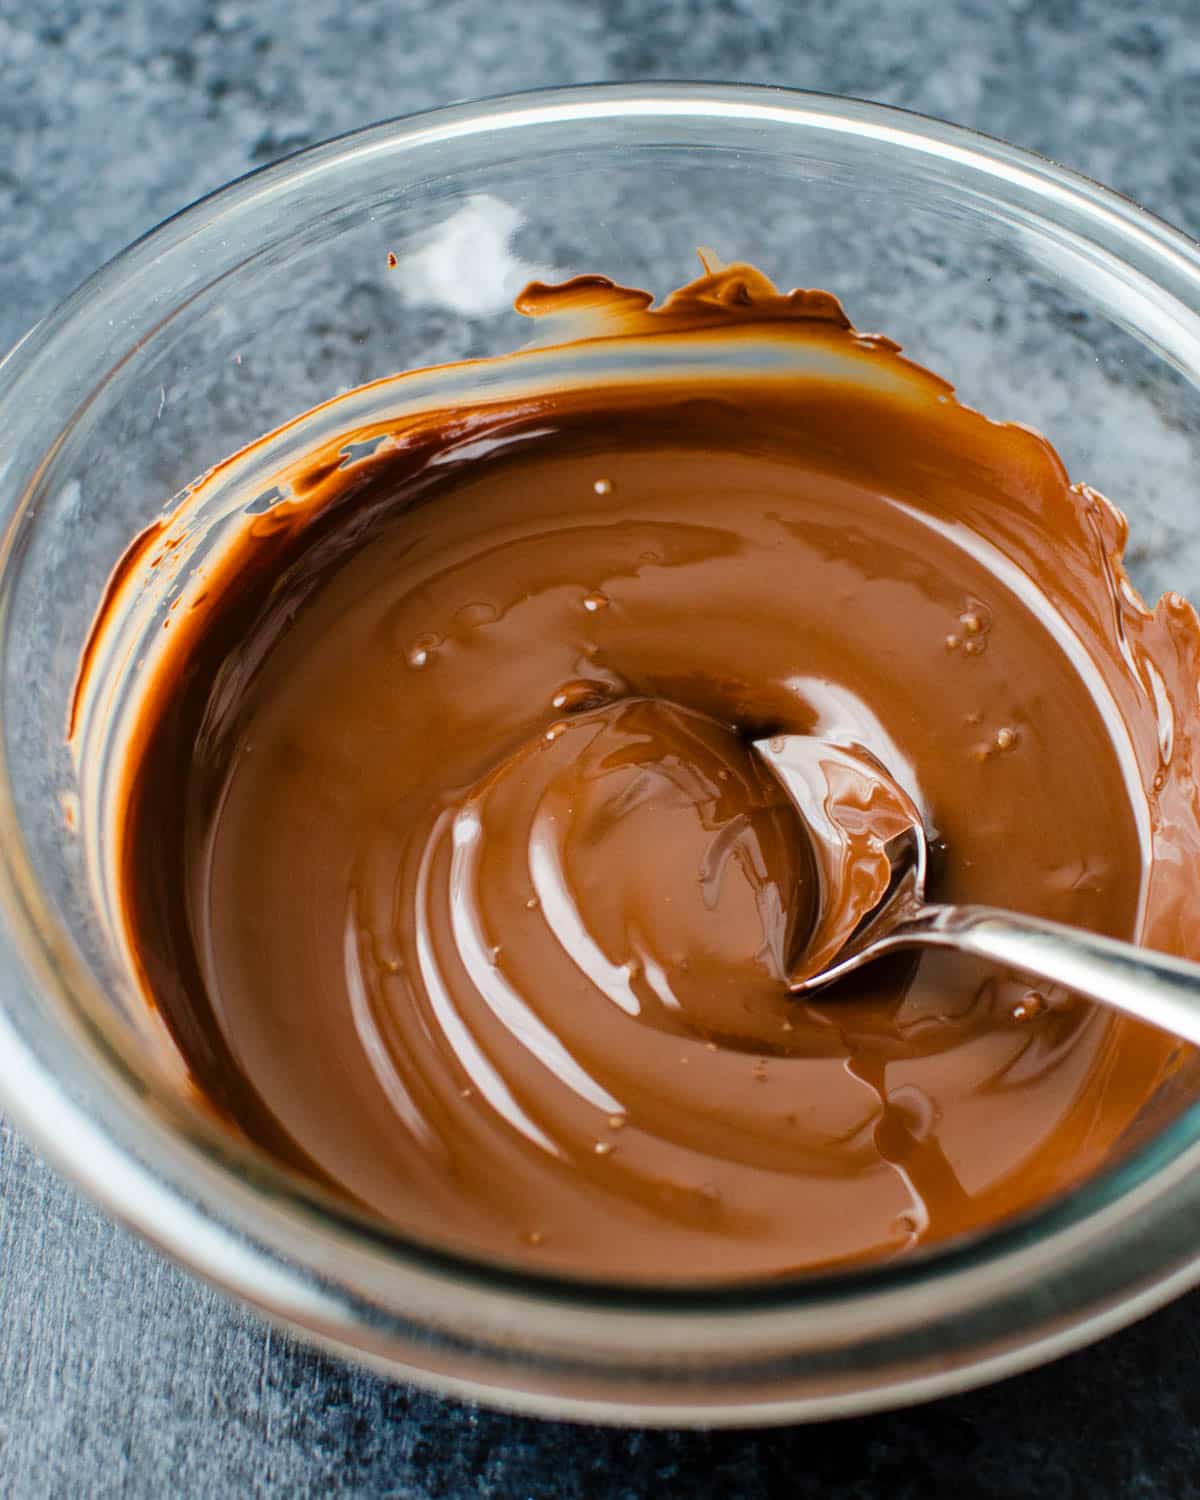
871, 848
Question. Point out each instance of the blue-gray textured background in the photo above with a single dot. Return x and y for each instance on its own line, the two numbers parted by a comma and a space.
119, 1375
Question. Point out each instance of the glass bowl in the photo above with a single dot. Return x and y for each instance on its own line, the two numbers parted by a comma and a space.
1045, 298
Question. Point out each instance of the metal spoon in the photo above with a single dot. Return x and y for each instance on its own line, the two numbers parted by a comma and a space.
864, 823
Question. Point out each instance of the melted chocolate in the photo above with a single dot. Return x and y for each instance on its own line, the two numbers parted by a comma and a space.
442, 852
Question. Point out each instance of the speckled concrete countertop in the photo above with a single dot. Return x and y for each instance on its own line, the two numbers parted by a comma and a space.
120, 1375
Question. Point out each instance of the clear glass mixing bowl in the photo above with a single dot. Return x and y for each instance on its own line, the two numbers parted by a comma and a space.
1045, 298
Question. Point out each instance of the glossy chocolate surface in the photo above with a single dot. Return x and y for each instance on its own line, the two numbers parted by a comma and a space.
446, 860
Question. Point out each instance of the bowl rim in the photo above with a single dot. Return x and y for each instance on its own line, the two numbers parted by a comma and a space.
174, 1180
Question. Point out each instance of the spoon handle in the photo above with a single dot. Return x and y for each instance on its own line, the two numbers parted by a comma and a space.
1154, 987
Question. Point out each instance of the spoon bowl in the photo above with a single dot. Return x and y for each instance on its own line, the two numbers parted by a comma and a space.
869, 841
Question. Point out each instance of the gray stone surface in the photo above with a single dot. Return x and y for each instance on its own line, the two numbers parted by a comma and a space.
119, 1375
